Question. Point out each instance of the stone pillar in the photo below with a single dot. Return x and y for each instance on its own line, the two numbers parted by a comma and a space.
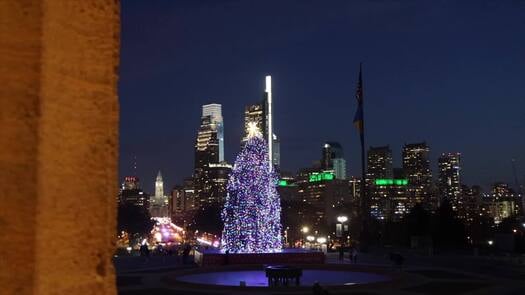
58, 145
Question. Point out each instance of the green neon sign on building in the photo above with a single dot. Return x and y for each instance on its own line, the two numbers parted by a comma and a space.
390, 181
316, 176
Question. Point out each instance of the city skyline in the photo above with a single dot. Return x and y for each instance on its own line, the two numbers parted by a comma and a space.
434, 165
467, 101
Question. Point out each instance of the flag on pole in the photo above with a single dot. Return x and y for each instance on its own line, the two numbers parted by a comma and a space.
358, 118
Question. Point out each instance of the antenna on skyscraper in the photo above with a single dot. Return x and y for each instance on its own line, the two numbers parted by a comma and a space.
516, 182
134, 165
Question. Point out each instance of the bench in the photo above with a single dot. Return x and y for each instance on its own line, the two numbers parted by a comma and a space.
280, 275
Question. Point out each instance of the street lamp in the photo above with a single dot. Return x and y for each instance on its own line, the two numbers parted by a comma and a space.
340, 228
310, 239
304, 231
342, 219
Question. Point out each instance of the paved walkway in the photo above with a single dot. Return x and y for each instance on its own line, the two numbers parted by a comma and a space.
443, 274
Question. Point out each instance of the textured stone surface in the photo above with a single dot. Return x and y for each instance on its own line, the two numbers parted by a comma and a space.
58, 145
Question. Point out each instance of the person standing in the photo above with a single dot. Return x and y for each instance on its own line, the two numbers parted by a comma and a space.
144, 252
227, 257
185, 254
354, 255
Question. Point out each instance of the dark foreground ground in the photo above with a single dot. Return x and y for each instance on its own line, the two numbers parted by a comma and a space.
438, 274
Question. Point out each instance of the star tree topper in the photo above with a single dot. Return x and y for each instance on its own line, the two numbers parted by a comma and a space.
253, 130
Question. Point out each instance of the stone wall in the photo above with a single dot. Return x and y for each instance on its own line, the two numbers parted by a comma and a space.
58, 145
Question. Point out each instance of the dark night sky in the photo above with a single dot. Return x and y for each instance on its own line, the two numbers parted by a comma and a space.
448, 73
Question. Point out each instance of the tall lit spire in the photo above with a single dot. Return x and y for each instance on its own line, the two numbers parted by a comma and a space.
268, 91
159, 186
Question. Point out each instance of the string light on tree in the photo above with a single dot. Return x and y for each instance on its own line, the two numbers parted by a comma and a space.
252, 210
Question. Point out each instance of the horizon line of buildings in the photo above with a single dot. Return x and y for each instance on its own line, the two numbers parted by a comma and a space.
323, 190
314, 195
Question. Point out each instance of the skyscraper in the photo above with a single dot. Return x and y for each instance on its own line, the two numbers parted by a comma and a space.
159, 185
448, 180
130, 193
183, 204
159, 203
503, 202
469, 210
255, 113
179, 206
190, 197
210, 172
398, 203
379, 163
214, 110
276, 151
321, 197
379, 167
178, 203
206, 153
262, 115
213, 188
207, 143
131, 182
333, 159
416, 166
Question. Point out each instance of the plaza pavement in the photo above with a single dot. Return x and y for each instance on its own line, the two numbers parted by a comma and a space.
438, 274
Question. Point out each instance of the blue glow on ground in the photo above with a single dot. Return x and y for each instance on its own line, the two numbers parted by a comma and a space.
257, 278
286, 250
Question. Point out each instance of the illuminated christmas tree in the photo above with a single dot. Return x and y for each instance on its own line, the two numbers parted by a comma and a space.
251, 214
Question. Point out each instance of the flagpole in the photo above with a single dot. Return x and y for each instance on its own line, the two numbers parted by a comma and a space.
363, 177
359, 120
364, 211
